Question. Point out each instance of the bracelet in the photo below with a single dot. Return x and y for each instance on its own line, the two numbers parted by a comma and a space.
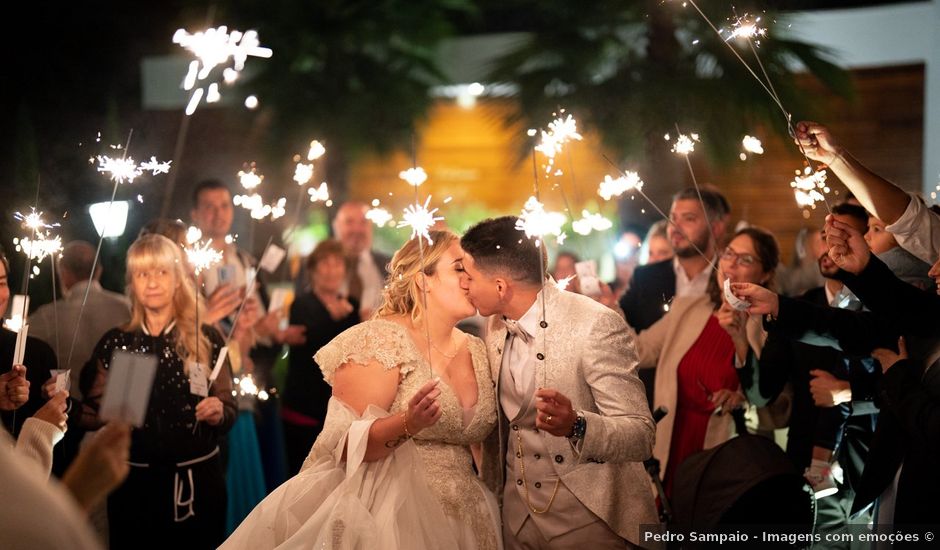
404, 422
579, 428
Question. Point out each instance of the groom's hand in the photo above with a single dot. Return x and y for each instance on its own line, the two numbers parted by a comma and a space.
555, 414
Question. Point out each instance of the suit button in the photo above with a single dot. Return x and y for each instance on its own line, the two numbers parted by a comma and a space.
543, 324
559, 459
515, 427
518, 482
540, 356
518, 455
538, 484
537, 456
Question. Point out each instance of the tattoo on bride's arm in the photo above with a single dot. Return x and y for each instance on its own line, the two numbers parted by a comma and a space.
396, 442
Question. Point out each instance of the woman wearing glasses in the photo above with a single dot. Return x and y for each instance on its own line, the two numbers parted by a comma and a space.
696, 348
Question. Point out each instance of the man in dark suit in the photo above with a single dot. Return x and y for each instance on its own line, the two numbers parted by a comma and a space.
695, 234
366, 269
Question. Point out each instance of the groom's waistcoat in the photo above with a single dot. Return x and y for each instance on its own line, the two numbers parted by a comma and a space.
535, 488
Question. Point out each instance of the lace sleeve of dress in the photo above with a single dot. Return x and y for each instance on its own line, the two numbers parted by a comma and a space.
380, 340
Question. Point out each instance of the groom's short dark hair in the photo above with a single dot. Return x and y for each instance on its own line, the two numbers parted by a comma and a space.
497, 246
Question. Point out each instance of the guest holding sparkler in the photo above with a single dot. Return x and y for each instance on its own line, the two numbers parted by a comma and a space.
175, 492
913, 224
326, 313
696, 347
20, 385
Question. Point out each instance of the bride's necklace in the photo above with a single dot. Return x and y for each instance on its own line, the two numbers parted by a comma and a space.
446, 355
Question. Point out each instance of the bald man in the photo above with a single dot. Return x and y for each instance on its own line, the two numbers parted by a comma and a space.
366, 269
103, 311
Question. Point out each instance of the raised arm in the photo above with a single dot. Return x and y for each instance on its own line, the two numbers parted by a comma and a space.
879, 196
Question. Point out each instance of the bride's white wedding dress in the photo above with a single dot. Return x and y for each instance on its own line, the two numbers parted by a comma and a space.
424, 495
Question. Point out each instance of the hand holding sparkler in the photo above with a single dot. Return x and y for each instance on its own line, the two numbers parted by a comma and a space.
210, 410
14, 388
847, 246
763, 301
222, 302
817, 142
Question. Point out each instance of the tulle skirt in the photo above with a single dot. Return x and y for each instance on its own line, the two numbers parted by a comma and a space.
344, 505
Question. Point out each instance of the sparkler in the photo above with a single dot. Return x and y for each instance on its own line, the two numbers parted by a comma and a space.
420, 220
751, 145
215, 47
537, 222
590, 222
316, 151
414, 176
562, 284
809, 186
202, 256
746, 28
321, 193
125, 170
614, 187
560, 131
379, 216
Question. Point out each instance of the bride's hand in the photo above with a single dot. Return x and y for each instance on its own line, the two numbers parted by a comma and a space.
423, 410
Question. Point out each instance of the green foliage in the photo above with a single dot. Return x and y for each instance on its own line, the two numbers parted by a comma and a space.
632, 70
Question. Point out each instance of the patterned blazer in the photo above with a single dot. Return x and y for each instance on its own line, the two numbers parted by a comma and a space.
586, 352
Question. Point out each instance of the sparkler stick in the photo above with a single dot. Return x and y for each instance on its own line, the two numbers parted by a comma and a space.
768, 87
94, 263
417, 220
690, 146
639, 189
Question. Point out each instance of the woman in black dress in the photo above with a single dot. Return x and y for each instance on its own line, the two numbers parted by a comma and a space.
325, 312
175, 494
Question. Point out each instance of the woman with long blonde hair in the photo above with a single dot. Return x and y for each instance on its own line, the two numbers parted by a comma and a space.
392, 467
176, 488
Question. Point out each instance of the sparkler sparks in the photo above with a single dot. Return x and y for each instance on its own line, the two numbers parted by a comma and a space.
378, 216
751, 145
202, 256
560, 131
562, 284
321, 193
746, 28
590, 222
420, 220
537, 222
250, 179
303, 173
414, 176
156, 167
808, 187
612, 187
125, 170
684, 144
316, 151
212, 48
43, 246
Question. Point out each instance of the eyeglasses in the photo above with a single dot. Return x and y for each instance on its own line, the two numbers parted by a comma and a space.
743, 260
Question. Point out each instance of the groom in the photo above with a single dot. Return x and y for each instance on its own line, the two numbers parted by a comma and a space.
574, 425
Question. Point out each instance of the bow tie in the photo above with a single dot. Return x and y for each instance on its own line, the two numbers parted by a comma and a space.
516, 330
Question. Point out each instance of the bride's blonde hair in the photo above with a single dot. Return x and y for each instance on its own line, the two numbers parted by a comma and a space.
402, 295
158, 252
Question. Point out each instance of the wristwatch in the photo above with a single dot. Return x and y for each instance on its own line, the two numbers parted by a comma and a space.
579, 427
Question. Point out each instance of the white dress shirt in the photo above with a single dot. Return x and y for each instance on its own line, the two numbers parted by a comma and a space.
696, 286
372, 282
520, 354
918, 230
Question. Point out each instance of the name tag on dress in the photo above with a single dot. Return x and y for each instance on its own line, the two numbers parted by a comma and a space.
198, 379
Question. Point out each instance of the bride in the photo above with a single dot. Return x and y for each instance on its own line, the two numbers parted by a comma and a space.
412, 394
